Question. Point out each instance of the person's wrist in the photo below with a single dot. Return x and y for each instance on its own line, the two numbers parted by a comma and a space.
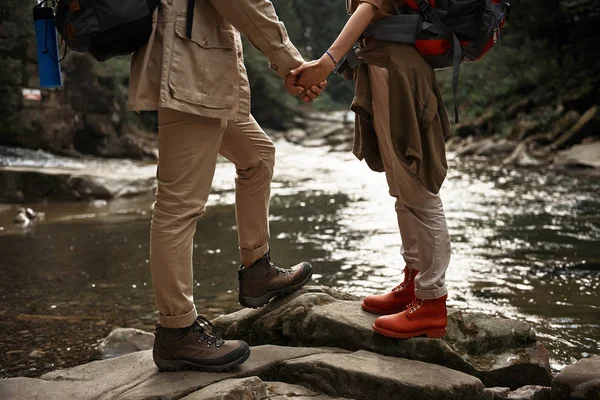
327, 62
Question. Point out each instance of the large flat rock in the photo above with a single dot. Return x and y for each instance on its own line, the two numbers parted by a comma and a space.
578, 381
500, 352
254, 388
134, 376
327, 374
365, 375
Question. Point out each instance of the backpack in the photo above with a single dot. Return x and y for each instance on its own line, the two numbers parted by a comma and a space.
445, 32
106, 28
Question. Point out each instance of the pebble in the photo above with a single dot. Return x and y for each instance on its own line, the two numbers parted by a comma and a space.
36, 354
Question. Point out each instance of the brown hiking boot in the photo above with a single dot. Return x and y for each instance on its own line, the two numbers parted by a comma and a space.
197, 347
264, 280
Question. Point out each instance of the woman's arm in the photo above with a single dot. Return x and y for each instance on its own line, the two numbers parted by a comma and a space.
313, 72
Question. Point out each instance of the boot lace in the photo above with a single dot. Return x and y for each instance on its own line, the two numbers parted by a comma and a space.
278, 269
207, 332
405, 282
414, 306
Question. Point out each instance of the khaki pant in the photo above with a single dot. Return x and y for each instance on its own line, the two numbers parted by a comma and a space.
188, 146
421, 218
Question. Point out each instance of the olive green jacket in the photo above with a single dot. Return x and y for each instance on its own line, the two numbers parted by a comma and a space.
419, 122
206, 75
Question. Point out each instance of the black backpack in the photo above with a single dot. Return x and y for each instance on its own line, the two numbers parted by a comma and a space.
108, 28
445, 32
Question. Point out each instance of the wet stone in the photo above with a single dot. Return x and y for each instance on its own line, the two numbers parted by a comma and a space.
578, 381
498, 351
123, 341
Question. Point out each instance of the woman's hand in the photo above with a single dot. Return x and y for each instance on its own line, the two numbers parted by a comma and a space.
313, 73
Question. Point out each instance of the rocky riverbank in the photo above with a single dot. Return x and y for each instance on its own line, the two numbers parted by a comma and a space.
317, 344
570, 144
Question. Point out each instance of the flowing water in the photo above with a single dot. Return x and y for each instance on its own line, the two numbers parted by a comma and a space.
526, 245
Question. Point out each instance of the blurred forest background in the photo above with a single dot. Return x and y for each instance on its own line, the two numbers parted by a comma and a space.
544, 72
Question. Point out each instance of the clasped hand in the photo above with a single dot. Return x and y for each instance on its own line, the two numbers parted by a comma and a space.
309, 80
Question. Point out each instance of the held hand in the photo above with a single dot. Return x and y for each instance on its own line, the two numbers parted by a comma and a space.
314, 72
289, 82
315, 91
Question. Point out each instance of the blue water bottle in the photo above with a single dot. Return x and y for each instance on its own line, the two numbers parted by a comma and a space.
47, 47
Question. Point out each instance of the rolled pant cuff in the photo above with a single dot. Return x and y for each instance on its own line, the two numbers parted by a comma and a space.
249, 256
431, 294
178, 321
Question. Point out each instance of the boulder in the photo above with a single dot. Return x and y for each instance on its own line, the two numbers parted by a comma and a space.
361, 375
123, 341
578, 381
23, 184
134, 376
499, 352
365, 375
287, 391
254, 388
582, 155
531, 392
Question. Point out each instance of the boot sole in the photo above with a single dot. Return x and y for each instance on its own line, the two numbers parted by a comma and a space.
430, 333
258, 302
381, 312
182, 365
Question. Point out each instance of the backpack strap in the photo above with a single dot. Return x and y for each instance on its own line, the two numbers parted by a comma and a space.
428, 11
191, 5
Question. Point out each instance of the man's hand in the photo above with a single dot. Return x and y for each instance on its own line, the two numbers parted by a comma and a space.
315, 91
312, 73
307, 95
289, 82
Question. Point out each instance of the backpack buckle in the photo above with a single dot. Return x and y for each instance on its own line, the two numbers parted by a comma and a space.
424, 6
506, 10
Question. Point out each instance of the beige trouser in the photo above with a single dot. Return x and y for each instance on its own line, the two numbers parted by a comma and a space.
421, 218
188, 146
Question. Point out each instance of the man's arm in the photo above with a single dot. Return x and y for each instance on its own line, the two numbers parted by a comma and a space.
258, 22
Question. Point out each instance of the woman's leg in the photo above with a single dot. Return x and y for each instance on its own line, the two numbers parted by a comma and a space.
422, 221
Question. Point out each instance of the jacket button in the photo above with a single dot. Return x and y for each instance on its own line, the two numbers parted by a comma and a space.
205, 42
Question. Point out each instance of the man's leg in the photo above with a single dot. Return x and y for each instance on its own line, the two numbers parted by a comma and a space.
252, 152
422, 215
188, 146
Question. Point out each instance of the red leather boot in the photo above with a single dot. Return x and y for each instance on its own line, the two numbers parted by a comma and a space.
394, 301
421, 317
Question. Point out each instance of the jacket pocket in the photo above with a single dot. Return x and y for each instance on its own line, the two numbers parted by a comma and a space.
202, 67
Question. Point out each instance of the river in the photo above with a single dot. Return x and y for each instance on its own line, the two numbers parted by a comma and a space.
526, 245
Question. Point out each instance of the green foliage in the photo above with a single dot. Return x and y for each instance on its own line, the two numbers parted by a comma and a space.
540, 52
